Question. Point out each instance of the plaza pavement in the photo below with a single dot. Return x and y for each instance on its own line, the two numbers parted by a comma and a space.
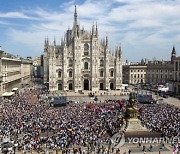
169, 100
104, 95
135, 149
172, 101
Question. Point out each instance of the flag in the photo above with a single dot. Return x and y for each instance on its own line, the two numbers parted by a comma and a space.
176, 149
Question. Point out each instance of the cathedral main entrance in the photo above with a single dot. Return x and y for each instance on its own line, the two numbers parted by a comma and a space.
101, 86
86, 84
111, 86
59, 86
70, 86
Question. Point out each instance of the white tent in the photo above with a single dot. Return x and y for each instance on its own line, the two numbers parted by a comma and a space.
14, 89
7, 94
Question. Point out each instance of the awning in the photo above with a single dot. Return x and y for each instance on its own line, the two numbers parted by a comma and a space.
7, 94
14, 89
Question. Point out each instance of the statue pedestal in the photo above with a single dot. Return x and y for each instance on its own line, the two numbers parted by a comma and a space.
135, 129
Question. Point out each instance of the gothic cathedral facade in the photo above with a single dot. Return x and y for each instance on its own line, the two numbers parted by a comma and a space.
82, 62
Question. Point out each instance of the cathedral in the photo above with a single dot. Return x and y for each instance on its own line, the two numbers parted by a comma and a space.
82, 62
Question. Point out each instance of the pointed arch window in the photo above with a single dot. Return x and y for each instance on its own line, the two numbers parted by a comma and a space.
112, 73
59, 74
70, 86
86, 49
70, 62
70, 74
101, 63
59, 86
101, 73
86, 65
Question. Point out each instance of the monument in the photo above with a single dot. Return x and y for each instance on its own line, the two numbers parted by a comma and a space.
134, 126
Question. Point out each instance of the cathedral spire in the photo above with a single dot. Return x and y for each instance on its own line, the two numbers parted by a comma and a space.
54, 42
75, 27
75, 16
120, 51
96, 29
65, 39
62, 41
116, 51
93, 30
106, 40
45, 42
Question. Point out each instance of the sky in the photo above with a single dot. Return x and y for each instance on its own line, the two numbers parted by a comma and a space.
144, 28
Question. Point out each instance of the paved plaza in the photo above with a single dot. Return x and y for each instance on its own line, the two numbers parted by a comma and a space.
115, 95
135, 149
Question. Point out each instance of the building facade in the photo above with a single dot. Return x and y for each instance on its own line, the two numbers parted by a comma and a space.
176, 81
159, 72
38, 67
149, 72
26, 71
134, 73
14, 72
82, 62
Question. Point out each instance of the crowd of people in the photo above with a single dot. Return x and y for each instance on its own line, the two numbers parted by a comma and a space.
36, 125
32, 124
162, 118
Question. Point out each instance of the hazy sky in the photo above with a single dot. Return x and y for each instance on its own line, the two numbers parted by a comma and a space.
145, 28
